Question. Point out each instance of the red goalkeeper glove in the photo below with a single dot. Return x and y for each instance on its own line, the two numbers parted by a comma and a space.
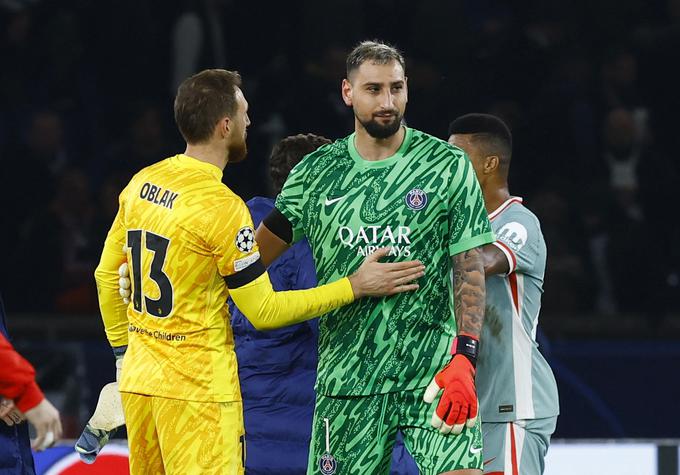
458, 405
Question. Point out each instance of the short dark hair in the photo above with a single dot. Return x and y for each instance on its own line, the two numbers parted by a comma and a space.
487, 129
203, 100
288, 153
375, 51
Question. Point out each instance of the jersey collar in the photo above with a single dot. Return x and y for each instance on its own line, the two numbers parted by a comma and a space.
504, 206
191, 162
379, 163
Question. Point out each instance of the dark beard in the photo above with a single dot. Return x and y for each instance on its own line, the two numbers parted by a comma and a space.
378, 131
238, 152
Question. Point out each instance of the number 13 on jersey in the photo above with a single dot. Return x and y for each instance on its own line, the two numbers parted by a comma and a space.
140, 241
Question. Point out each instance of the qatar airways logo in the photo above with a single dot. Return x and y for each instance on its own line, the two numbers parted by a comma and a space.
367, 239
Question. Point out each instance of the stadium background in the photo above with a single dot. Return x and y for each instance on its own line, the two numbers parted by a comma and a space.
589, 88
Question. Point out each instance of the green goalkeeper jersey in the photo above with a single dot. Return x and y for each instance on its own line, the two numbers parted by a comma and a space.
424, 203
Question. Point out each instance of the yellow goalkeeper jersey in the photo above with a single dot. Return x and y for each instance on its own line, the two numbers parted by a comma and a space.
184, 231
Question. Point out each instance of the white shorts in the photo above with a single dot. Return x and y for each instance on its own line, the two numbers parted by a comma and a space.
517, 448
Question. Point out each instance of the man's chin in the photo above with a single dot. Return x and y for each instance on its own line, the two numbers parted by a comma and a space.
382, 131
238, 154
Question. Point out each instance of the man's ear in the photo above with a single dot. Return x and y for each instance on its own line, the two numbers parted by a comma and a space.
346, 89
491, 164
223, 127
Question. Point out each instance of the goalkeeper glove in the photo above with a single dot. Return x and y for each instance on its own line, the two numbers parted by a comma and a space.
108, 417
458, 403
124, 282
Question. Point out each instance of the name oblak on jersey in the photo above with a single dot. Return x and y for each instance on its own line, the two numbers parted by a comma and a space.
368, 239
152, 193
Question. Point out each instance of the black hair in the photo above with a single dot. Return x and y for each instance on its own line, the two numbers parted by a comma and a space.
486, 129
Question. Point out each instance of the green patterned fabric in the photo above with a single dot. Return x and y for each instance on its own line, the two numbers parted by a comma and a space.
362, 430
425, 203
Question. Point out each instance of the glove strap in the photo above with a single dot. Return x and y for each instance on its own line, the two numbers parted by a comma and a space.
119, 351
466, 345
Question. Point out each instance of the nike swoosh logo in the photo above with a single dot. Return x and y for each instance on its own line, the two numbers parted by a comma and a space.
475, 450
333, 200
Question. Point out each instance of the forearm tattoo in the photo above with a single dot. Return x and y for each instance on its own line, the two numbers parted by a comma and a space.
469, 291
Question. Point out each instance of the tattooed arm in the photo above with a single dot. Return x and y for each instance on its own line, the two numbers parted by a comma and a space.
458, 405
469, 291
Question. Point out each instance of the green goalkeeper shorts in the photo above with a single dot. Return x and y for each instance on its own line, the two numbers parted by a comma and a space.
355, 436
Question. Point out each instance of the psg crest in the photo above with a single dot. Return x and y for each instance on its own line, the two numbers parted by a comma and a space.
328, 465
245, 239
416, 199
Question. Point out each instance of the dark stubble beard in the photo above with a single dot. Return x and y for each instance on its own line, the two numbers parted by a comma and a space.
238, 151
380, 131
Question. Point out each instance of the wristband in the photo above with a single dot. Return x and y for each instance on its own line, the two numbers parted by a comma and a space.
119, 351
466, 345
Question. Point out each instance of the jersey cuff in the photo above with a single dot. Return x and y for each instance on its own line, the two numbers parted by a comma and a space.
278, 224
245, 276
31, 397
470, 243
509, 255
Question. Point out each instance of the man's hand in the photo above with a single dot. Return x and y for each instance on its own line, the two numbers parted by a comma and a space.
372, 279
45, 420
124, 282
9, 414
376, 279
458, 405
108, 416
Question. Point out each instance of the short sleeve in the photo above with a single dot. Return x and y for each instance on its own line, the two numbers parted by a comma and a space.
519, 239
292, 198
468, 220
231, 236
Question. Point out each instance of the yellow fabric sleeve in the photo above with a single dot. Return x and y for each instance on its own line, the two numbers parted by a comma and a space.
111, 305
267, 309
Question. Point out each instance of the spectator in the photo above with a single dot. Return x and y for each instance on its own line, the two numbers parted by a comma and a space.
22, 399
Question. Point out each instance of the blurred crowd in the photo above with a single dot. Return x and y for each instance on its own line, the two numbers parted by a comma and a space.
589, 89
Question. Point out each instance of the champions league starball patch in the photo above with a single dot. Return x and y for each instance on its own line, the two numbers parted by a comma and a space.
245, 239
416, 199
327, 464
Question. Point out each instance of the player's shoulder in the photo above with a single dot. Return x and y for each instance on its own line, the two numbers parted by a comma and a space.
318, 160
518, 210
425, 141
514, 216
221, 193
145, 172
337, 148
171, 169
143, 176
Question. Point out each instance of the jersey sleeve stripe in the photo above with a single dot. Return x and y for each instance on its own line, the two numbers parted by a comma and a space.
512, 260
245, 276
513, 289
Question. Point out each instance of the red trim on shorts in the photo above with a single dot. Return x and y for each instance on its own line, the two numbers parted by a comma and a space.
513, 450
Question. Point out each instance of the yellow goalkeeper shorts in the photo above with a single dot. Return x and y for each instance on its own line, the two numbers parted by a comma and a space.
171, 436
